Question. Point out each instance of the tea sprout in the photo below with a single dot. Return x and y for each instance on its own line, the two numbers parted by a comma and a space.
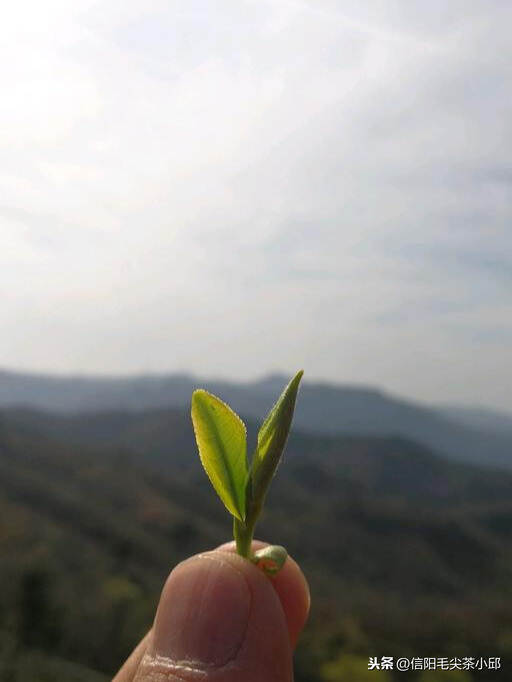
221, 438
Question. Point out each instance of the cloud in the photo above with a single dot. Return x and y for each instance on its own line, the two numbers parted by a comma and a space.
260, 185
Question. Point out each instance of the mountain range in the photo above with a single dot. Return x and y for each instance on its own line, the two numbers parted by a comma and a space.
406, 552
472, 435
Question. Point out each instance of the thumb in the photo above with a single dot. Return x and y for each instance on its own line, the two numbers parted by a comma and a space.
219, 619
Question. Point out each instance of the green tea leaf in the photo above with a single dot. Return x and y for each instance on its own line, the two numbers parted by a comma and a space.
270, 559
272, 438
221, 439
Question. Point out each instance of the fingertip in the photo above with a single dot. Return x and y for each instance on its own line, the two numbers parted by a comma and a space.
292, 589
222, 618
218, 617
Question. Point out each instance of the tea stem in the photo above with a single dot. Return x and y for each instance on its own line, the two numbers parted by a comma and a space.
243, 534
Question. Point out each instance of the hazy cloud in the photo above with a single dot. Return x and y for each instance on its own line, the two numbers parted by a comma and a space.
239, 186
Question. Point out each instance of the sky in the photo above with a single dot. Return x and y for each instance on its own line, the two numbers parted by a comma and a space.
233, 188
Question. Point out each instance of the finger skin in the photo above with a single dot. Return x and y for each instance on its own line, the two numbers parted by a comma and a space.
292, 589
278, 610
263, 651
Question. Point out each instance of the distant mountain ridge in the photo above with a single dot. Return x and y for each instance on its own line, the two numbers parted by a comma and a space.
162, 440
323, 408
480, 418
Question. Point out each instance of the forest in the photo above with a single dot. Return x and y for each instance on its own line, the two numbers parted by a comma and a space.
407, 553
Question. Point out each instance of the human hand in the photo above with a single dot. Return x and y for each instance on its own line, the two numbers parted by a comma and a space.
220, 619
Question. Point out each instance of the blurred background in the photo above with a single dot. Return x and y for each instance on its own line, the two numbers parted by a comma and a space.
217, 194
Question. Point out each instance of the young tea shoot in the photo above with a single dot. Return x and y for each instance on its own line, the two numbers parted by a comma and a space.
221, 439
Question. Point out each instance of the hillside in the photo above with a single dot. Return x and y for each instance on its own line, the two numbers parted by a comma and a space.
163, 441
323, 408
480, 418
405, 552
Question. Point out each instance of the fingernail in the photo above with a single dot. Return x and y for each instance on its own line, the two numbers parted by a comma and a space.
203, 613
